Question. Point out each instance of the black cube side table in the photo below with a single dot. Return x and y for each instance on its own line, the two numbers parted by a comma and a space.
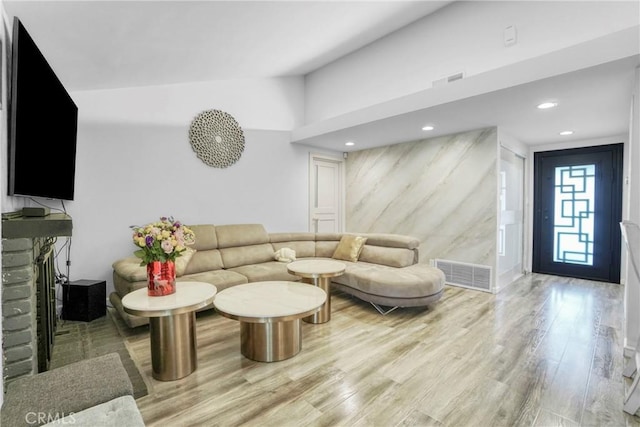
84, 300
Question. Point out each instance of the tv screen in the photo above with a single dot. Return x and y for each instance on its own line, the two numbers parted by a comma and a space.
43, 122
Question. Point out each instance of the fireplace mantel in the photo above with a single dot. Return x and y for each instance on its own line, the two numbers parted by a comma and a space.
53, 225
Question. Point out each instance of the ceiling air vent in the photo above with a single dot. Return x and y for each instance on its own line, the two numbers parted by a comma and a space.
471, 276
454, 77
448, 79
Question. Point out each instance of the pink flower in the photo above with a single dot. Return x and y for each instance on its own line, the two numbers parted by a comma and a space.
179, 235
166, 246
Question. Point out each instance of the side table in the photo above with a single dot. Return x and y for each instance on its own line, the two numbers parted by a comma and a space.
172, 326
318, 272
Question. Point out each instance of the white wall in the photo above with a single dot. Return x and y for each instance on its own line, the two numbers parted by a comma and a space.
511, 143
135, 164
464, 36
274, 104
631, 212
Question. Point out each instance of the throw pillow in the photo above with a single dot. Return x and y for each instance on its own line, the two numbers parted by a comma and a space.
285, 255
349, 248
183, 260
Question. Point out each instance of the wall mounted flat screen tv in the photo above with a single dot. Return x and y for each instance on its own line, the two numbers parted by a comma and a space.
43, 121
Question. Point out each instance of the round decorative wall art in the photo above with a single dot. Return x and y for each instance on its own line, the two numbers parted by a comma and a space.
216, 138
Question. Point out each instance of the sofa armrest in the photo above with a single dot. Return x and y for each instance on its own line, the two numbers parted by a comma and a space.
130, 269
54, 394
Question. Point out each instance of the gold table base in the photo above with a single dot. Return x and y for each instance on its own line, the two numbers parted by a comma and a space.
324, 314
270, 341
173, 346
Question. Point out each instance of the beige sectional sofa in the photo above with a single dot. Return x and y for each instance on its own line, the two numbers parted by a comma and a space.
386, 273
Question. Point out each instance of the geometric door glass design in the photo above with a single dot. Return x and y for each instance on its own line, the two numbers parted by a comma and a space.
573, 224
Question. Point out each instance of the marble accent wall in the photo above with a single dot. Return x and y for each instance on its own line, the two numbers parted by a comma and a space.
441, 190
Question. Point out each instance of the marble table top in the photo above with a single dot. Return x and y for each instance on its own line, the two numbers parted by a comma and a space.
189, 296
273, 301
316, 268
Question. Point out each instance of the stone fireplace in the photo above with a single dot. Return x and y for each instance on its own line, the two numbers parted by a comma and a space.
28, 292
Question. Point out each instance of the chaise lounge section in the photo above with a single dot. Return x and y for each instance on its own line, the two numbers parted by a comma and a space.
386, 272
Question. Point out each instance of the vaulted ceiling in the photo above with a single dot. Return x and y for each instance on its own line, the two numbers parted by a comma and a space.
114, 44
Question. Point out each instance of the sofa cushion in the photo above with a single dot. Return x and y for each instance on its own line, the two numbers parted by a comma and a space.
204, 260
418, 280
392, 240
221, 279
326, 244
241, 235
183, 260
291, 237
205, 237
328, 236
392, 257
246, 255
129, 268
325, 249
265, 271
349, 248
123, 285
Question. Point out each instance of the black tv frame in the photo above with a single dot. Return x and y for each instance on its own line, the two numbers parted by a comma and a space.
42, 128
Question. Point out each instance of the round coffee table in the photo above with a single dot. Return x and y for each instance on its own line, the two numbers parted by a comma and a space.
269, 315
318, 272
172, 326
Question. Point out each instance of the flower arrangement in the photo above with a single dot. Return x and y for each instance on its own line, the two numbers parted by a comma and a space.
162, 241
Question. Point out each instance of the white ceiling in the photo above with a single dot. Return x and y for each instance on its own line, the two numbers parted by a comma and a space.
593, 102
95, 44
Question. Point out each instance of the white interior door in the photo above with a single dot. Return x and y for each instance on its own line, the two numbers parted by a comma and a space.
511, 232
326, 194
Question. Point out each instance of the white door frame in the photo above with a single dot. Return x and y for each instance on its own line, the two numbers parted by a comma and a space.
341, 187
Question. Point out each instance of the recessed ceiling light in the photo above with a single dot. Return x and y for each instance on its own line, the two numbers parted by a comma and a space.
428, 127
546, 105
350, 143
566, 132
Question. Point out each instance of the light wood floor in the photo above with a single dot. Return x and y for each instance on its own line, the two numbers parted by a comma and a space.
546, 351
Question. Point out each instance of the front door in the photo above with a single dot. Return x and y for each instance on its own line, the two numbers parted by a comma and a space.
577, 210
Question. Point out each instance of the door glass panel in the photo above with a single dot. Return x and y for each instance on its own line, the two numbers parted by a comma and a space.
574, 214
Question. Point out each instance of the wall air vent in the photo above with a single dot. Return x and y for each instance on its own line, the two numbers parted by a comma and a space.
471, 276
448, 79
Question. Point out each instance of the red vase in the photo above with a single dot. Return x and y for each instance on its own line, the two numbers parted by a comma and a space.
161, 278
